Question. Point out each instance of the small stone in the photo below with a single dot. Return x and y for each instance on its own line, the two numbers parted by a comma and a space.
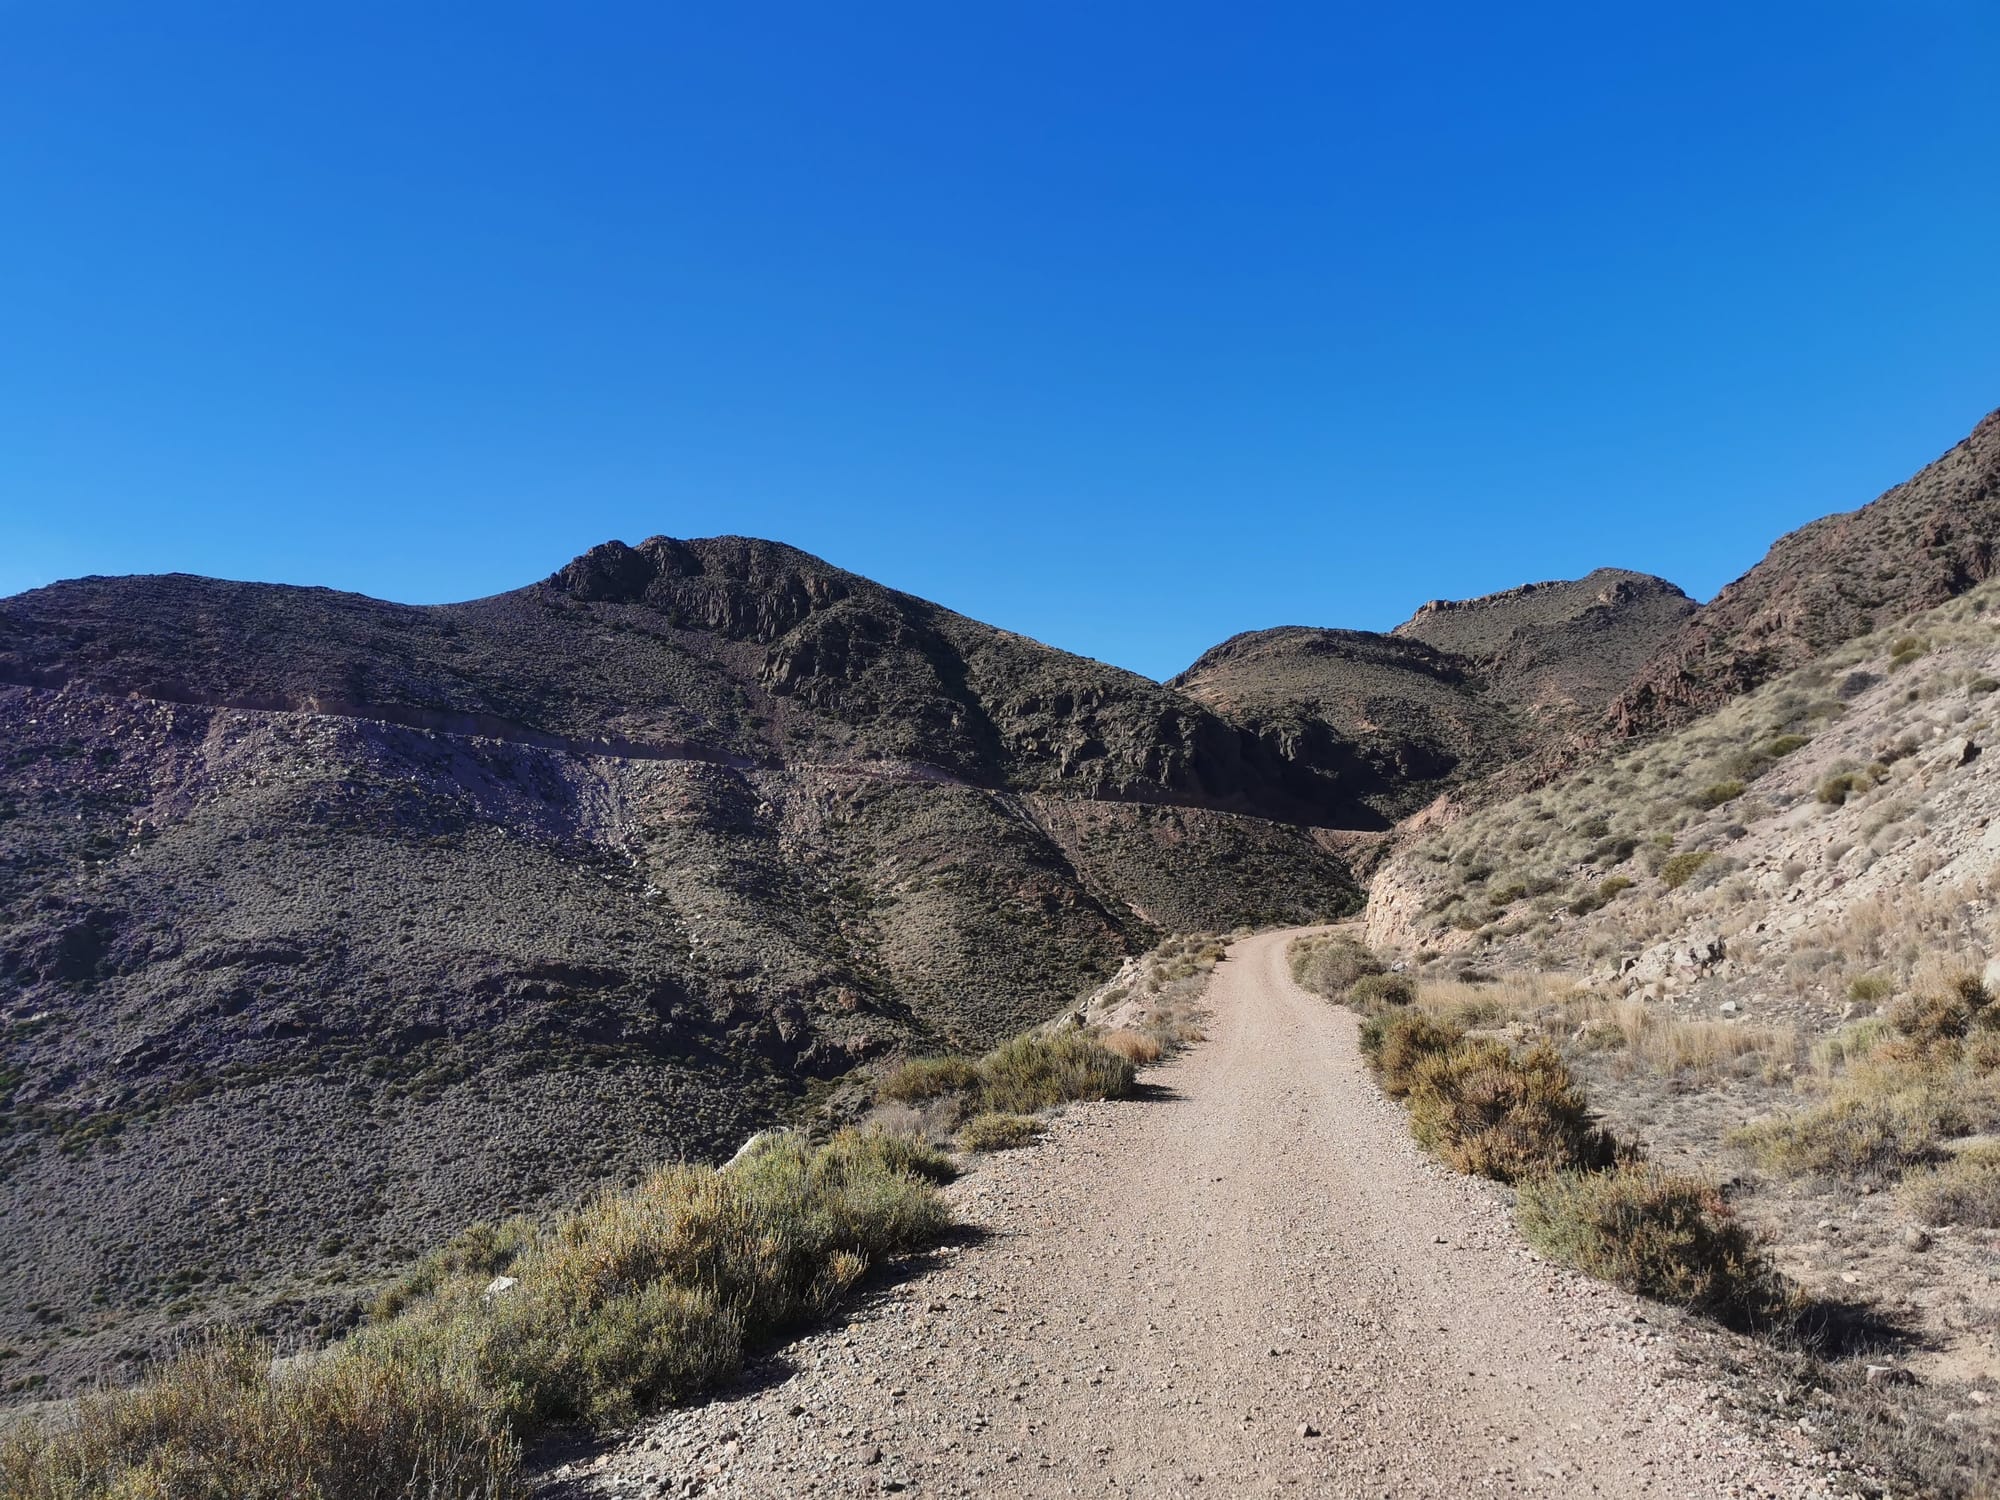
1916, 1237
1307, 1430
1980, 1398
499, 1286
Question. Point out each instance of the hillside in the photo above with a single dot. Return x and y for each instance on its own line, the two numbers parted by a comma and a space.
1769, 939
1927, 540
1456, 694
329, 925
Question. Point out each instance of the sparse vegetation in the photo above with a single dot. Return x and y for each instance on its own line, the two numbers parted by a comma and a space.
646, 1295
923, 1078
1374, 992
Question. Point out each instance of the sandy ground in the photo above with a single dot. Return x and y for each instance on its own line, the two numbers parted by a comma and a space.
1249, 1283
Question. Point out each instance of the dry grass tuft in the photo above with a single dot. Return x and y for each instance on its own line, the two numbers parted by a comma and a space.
1965, 1190
1136, 1047
994, 1131
1037, 1071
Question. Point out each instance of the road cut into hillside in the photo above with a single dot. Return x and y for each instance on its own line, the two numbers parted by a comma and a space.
1249, 1283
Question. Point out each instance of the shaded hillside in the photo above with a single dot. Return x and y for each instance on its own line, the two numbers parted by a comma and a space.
1923, 542
328, 925
1454, 695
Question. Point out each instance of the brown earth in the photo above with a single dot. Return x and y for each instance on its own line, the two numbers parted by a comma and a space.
1248, 1283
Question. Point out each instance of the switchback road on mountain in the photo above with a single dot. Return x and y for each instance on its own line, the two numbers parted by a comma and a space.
1250, 1282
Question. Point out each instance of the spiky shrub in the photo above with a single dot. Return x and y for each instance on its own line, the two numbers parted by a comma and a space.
1038, 1071
477, 1250
1933, 1024
1488, 1110
1965, 1190
1661, 1235
994, 1131
925, 1078
1396, 1042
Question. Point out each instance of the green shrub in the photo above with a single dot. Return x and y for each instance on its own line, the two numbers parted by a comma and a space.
1395, 1042
1835, 789
1785, 744
1907, 650
1718, 794
1373, 992
1979, 687
994, 1131
1663, 1236
924, 1078
1039, 1071
1679, 869
1490, 1111
1965, 1190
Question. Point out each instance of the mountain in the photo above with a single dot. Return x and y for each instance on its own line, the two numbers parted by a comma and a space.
1457, 693
1927, 540
328, 925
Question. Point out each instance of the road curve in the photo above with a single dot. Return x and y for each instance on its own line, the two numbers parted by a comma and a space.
1252, 1283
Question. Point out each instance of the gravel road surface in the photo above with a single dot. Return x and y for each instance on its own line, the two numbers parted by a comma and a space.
1249, 1283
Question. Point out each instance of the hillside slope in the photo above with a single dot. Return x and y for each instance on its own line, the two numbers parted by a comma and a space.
328, 925
1927, 540
1458, 693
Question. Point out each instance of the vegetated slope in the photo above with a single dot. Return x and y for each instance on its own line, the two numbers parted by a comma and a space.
1923, 542
1462, 690
328, 925
1783, 913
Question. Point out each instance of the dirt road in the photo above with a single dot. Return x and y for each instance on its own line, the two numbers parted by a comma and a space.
1249, 1284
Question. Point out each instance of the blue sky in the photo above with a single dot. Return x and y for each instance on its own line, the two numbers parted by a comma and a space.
1125, 326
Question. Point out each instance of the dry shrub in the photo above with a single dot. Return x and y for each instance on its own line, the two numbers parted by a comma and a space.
1395, 1042
1488, 1110
923, 1078
1964, 1190
1933, 1024
1861, 1134
1679, 869
1329, 965
217, 1424
643, 1296
995, 1131
1037, 1071
1376, 992
1663, 1236
1137, 1047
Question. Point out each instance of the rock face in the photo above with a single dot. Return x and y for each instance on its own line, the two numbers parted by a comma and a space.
1463, 690
328, 925
1927, 540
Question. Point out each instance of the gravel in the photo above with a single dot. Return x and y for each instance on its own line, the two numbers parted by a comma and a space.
1249, 1283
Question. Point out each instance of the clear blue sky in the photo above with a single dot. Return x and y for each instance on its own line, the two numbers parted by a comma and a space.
1127, 326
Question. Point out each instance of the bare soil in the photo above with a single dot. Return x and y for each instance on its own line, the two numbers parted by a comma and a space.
1249, 1283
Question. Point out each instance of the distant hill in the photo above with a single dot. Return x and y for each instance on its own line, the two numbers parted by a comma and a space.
1455, 694
328, 925
1927, 540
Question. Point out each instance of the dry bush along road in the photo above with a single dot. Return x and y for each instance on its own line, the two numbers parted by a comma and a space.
1251, 1282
